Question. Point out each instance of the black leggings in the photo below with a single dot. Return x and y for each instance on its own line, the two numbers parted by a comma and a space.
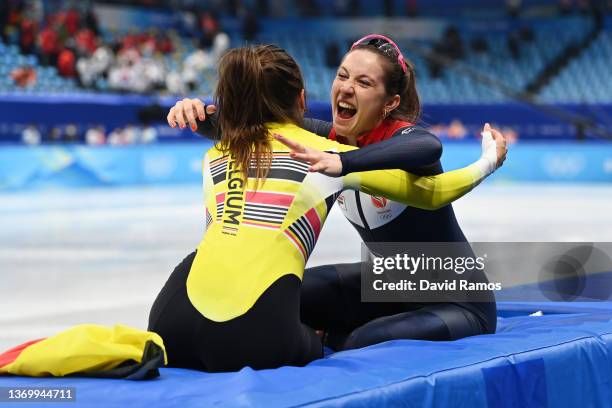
268, 335
331, 301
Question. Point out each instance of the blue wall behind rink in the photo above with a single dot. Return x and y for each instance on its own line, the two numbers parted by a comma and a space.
541, 162
88, 110
84, 166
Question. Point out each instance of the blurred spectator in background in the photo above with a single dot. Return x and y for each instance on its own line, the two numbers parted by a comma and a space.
90, 68
186, 22
354, 8
309, 8
55, 135
70, 41
513, 42
71, 21
221, 43
345, 8
200, 59
332, 55
71, 134
510, 134
66, 63
513, 7
102, 59
231, 7
175, 83
456, 130
453, 131
194, 65
278, 9
154, 70
479, 45
452, 43
86, 41
119, 77
388, 8
263, 8
412, 8
209, 27
340, 7
24, 76
516, 38
585, 7
126, 74
86, 74
48, 45
27, 35
31, 135
250, 26
13, 11
131, 134
164, 43
116, 137
149, 134
91, 21
4, 14
527, 34
449, 46
433, 64
565, 7
95, 136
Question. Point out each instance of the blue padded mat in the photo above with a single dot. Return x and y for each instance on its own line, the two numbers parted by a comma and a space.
560, 359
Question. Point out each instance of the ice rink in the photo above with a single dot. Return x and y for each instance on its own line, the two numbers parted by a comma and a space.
101, 255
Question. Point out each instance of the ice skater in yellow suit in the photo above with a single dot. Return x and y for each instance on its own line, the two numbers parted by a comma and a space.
235, 301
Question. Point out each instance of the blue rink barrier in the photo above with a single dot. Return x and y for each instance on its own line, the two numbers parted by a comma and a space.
561, 359
544, 162
86, 110
78, 165
85, 166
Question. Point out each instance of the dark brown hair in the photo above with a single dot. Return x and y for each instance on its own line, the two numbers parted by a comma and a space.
398, 83
257, 84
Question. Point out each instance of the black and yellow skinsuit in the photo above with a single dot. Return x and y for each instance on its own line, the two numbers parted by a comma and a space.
331, 294
236, 300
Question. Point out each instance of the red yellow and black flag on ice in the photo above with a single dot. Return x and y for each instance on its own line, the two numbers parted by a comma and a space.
89, 350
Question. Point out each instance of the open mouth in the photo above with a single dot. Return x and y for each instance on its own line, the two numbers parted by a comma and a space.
345, 110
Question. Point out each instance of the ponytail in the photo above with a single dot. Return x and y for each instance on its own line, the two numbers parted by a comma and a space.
256, 85
241, 119
409, 109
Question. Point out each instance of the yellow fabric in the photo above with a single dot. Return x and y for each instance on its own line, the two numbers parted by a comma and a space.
426, 192
232, 268
80, 349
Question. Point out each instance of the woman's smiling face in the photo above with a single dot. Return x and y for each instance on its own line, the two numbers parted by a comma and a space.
358, 94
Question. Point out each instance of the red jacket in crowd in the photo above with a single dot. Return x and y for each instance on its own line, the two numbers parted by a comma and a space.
72, 20
28, 33
66, 63
86, 40
49, 41
24, 76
